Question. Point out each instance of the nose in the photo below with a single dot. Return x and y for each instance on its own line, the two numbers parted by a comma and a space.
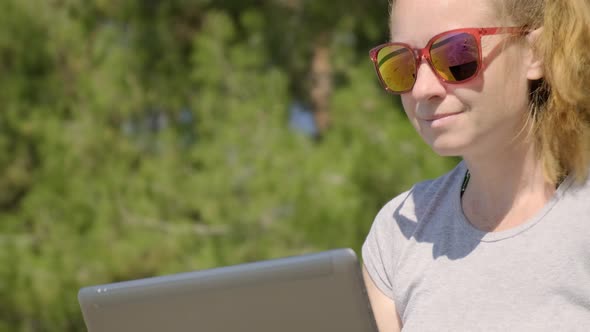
428, 85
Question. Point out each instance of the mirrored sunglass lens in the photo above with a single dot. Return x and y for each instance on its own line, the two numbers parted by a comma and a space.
397, 67
455, 56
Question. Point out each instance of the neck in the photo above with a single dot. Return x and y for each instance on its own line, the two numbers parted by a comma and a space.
505, 189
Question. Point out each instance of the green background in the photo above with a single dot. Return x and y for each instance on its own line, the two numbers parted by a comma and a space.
141, 138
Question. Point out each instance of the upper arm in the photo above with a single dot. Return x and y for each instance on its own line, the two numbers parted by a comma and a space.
383, 307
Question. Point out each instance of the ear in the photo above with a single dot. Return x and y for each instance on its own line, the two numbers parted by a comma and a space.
534, 58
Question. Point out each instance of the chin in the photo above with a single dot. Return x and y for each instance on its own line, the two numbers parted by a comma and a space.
447, 149
447, 152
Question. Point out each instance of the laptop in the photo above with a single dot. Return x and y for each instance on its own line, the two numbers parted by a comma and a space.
314, 292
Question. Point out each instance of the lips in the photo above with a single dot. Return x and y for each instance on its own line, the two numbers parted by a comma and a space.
439, 116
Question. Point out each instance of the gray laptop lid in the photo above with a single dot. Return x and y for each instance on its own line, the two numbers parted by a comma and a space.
316, 292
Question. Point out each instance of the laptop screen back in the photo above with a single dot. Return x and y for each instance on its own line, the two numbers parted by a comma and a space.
316, 292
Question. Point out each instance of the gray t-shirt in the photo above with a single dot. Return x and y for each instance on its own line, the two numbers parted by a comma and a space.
445, 275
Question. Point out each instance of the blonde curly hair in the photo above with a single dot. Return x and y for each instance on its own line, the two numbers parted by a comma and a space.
560, 102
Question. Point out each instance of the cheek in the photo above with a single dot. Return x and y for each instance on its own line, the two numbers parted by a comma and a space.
409, 105
505, 80
507, 95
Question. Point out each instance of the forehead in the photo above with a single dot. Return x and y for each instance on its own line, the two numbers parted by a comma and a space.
416, 21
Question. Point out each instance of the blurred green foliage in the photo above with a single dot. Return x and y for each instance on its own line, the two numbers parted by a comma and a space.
149, 137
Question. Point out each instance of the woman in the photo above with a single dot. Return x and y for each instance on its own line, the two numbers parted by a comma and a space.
502, 242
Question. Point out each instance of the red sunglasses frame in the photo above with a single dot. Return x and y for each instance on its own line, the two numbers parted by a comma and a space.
424, 53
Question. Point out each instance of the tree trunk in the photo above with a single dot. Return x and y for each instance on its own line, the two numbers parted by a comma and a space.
321, 82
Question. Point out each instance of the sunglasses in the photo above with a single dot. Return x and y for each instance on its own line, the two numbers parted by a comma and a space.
454, 56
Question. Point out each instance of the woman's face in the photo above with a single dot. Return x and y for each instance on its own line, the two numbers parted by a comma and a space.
481, 116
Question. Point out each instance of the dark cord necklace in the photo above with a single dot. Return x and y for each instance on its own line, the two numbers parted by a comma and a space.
465, 182
468, 176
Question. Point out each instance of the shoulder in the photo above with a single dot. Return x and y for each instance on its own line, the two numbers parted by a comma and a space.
398, 221
572, 198
421, 199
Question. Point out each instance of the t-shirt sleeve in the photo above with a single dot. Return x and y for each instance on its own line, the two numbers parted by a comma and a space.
378, 251
397, 223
